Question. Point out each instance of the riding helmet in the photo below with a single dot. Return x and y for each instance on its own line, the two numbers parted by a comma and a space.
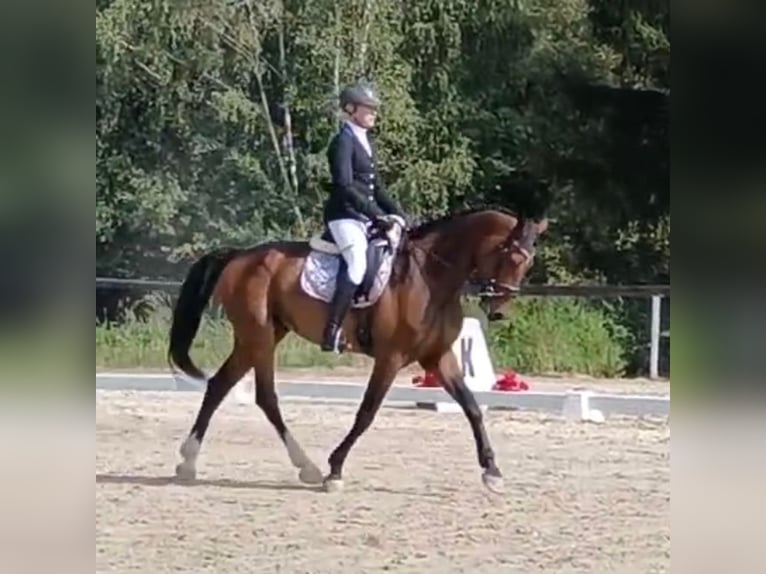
358, 95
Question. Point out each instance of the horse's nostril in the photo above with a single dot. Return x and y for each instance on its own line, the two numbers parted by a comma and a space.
496, 316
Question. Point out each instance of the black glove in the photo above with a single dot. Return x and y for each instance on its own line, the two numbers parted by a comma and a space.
382, 224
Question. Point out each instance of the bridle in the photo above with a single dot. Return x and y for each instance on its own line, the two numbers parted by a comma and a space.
488, 288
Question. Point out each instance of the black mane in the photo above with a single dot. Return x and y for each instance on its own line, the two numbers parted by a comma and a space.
433, 224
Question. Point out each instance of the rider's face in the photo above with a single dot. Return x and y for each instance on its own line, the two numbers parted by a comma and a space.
364, 116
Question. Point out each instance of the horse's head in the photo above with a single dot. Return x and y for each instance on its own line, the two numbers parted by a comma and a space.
491, 249
504, 259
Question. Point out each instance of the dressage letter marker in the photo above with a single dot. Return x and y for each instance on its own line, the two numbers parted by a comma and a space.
466, 344
470, 348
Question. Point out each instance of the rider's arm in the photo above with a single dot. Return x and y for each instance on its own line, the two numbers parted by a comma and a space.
385, 200
343, 179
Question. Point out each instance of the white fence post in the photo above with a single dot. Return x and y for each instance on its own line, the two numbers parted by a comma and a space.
654, 350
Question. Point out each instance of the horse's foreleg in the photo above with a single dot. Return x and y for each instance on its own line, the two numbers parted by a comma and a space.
266, 398
451, 376
383, 374
219, 385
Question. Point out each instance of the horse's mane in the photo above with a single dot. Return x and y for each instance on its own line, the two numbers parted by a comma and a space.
434, 224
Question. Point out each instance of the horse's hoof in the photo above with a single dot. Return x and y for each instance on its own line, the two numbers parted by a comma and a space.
310, 475
333, 484
185, 471
493, 482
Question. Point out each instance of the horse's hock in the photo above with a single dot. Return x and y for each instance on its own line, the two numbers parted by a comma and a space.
578, 497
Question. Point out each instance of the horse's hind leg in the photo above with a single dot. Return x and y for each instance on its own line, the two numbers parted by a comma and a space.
266, 398
219, 385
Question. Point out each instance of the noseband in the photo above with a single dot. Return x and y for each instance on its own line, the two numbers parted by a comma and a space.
489, 288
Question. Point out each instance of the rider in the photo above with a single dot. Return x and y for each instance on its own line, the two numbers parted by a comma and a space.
358, 199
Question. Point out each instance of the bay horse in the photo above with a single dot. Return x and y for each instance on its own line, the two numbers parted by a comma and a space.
416, 319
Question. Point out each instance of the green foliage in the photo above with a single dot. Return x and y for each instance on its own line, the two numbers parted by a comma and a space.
560, 336
545, 336
139, 339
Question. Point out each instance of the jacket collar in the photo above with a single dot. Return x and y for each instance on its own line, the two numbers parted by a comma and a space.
361, 136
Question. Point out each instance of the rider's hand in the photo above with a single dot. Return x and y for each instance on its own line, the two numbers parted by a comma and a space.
404, 221
384, 224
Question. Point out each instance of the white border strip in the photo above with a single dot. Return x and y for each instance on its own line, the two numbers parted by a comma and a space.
585, 405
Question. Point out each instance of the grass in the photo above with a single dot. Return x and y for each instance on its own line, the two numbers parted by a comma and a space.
544, 336
551, 335
140, 341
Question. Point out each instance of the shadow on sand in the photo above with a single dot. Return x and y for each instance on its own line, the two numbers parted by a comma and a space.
240, 484
218, 482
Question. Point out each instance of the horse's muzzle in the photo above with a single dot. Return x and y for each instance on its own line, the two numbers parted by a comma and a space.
495, 316
494, 296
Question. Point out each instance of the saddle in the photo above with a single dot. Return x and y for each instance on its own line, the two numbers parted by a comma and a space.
324, 262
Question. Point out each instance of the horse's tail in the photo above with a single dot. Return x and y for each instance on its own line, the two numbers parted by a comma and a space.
187, 314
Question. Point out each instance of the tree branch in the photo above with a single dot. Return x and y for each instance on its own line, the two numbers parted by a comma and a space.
367, 16
287, 97
265, 105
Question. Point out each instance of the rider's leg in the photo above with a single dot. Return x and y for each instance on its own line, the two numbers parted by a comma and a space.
351, 237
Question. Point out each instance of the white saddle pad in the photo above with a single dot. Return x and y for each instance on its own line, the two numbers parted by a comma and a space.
320, 272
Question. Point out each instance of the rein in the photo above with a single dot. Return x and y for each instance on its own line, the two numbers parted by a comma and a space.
427, 254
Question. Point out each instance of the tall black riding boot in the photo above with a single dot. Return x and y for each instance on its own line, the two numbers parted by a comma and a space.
341, 301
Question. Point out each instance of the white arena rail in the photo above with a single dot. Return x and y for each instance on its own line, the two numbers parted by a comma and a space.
577, 404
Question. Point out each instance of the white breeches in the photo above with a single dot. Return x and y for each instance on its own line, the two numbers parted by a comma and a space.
350, 236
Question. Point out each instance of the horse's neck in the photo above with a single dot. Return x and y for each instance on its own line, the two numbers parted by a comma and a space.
449, 256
